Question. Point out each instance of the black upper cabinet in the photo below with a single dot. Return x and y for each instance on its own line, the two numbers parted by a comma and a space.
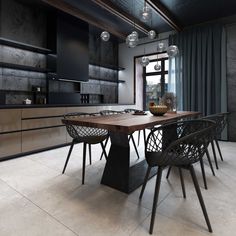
72, 48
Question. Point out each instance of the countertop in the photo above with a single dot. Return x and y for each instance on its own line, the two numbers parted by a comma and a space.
23, 106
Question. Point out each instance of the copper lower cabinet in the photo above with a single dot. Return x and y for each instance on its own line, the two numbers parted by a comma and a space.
10, 144
10, 120
43, 138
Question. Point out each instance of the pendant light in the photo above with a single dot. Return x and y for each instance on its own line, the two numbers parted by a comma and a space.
132, 39
160, 47
157, 66
144, 60
152, 34
172, 50
145, 13
105, 36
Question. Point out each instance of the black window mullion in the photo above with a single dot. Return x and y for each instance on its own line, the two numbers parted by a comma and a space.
162, 77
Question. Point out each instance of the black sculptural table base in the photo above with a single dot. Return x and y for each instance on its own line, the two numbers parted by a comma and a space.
118, 173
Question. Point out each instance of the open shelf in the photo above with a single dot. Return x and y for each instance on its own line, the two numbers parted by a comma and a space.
25, 46
21, 91
23, 67
107, 80
113, 67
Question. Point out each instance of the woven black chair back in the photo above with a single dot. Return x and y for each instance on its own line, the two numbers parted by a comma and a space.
179, 144
110, 112
129, 110
221, 119
82, 133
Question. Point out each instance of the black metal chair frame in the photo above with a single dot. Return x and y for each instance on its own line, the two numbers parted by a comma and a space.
221, 121
216, 119
189, 142
87, 136
131, 137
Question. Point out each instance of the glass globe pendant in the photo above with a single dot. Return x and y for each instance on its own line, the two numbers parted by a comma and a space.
152, 34
146, 13
144, 61
132, 39
172, 51
105, 36
157, 67
160, 47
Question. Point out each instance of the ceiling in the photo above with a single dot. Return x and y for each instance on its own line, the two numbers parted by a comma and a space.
184, 12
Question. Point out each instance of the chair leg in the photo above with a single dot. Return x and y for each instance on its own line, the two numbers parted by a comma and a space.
144, 137
182, 182
103, 150
203, 173
210, 163
218, 147
199, 194
214, 154
136, 150
90, 154
68, 156
84, 162
105, 147
145, 182
139, 137
155, 199
168, 172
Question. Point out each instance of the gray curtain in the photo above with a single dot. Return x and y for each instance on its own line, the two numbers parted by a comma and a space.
200, 69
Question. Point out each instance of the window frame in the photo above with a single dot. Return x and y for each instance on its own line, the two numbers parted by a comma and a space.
162, 73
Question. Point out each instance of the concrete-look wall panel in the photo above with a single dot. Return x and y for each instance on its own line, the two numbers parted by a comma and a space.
126, 60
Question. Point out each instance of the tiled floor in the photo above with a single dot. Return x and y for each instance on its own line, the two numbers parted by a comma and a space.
35, 199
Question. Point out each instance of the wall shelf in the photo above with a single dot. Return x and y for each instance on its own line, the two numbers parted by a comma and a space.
23, 67
25, 46
112, 67
20, 91
107, 80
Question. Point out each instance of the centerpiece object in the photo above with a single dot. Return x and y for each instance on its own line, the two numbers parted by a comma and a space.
169, 100
157, 110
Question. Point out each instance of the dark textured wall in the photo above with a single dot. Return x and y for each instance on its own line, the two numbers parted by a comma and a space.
24, 23
231, 77
28, 24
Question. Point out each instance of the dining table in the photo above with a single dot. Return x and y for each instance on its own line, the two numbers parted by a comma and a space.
118, 172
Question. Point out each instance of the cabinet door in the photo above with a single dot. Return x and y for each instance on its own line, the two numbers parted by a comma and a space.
10, 120
72, 48
43, 138
42, 112
10, 144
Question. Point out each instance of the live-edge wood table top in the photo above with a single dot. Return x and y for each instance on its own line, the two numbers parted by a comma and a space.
128, 123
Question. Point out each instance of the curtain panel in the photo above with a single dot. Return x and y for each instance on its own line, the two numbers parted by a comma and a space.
200, 69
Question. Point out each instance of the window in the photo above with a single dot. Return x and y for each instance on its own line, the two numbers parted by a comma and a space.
155, 81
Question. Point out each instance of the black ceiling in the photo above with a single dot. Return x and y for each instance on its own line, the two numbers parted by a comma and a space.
186, 12
191, 12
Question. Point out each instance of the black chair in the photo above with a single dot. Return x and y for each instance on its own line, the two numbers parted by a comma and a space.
211, 138
221, 120
131, 137
191, 139
85, 135
131, 110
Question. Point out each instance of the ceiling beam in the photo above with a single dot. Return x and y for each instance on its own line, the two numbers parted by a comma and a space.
128, 18
71, 10
165, 14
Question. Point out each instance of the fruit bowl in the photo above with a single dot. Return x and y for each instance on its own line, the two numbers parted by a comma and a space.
159, 110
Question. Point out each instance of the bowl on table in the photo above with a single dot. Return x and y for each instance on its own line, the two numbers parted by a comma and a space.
158, 110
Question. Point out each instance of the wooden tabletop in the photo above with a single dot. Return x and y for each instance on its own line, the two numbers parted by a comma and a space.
128, 123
